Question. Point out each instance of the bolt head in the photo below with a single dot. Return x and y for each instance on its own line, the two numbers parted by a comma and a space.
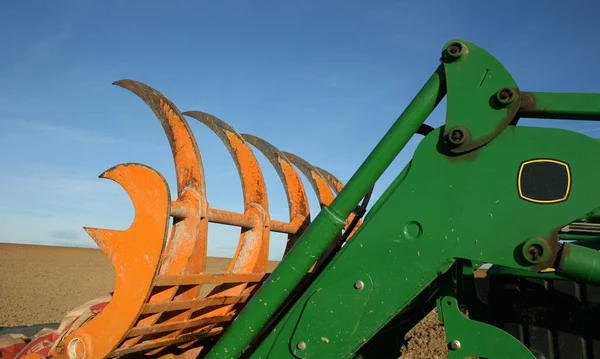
457, 136
505, 96
535, 252
455, 50
454, 345
359, 285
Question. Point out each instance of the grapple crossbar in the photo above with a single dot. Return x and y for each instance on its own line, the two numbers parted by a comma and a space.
164, 302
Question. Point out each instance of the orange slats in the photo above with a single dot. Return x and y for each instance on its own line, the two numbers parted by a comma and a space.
152, 344
193, 279
192, 304
160, 328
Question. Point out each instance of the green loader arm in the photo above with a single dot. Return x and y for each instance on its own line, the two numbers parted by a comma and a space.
479, 189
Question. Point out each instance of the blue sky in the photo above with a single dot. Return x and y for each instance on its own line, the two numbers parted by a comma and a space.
321, 79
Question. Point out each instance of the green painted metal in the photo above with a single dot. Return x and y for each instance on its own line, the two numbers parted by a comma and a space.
473, 80
444, 209
580, 263
496, 270
327, 224
562, 106
578, 237
592, 217
471, 338
457, 204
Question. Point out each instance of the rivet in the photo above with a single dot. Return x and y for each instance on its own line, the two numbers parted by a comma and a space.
359, 285
454, 345
301, 346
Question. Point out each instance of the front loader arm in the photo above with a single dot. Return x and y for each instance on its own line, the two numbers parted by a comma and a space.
478, 188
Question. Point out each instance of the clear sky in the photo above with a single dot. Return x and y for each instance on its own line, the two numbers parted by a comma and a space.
321, 79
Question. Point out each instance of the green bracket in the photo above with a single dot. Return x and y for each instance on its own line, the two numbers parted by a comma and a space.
470, 338
483, 98
313, 336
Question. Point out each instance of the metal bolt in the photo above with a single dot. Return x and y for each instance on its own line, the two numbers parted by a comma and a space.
505, 96
359, 285
301, 346
457, 136
535, 252
454, 345
455, 49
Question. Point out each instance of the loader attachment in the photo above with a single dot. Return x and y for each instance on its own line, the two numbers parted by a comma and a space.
164, 301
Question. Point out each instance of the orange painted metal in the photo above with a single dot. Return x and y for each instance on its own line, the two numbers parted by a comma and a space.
299, 208
246, 259
186, 249
135, 254
165, 304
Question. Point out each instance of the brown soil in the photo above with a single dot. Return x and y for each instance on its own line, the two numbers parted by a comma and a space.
39, 284
426, 340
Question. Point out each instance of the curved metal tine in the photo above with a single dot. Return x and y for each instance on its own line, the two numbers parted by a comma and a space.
190, 178
299, 208
181, 139
142, 242
252, 253
315, 178
322, 181
335, 183
325, 194
255, 193
187, 246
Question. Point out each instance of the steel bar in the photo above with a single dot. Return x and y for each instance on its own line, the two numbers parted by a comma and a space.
561, 106
178, 210
579, 263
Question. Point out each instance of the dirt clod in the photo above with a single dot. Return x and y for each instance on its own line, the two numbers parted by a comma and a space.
426, 340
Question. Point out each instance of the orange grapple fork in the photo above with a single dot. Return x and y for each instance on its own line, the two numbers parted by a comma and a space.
164, 303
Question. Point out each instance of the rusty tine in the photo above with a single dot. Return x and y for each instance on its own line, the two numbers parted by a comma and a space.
187, 246
191, 186
334, 183
315, 178
252, 253
324, 193
255, 195
299, 209
188, 163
